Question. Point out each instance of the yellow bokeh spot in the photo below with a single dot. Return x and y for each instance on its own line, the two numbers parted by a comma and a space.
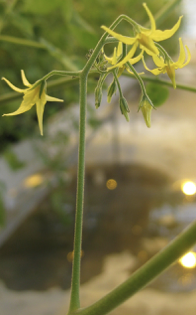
111, 184
188, 260
33, 181
188, 188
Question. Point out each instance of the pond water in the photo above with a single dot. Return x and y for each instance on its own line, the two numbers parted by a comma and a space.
127, 208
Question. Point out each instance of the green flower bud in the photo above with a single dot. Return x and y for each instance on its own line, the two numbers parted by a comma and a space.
98, 96
124, 107
146, 108
111, 90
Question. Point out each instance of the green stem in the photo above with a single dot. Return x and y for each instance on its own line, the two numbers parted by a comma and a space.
75, 283
7, 97
118, 84
61, 73
141, 83
147, 78
156, 265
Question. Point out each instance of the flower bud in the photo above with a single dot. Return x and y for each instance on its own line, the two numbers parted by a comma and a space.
146, 108
111, 90
124, 107
98, 96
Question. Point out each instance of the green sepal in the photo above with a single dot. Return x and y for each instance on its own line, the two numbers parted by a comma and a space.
42, 86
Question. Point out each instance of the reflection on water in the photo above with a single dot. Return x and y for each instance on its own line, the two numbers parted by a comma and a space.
127, 207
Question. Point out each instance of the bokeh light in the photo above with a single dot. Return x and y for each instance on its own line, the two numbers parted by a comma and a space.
188, 260
188, 188
33, 181
111, 184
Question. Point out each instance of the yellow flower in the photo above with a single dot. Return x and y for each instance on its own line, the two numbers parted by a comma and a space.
33, 94
145, 37
121, 65
168, 66
116, 54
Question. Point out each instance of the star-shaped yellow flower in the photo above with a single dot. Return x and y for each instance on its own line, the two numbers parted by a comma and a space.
33, 94
121, 65
145, 37
166, 65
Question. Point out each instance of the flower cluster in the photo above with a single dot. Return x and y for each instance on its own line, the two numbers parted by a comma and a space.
147, 41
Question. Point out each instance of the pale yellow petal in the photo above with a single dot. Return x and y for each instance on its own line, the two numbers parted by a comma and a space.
13, 87
152, 20
24, 79
126, 59
155, 71
159, 61
32, 95
121, 38
136, 59
114, 57
24, 107
158, 36
180, 63
109, 59
119, 49
40, 105
53, 99
128, 70
182, 54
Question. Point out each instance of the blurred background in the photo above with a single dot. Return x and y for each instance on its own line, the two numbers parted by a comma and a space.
140, 183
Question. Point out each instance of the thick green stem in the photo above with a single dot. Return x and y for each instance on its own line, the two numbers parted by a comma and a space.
145, 274
75, 283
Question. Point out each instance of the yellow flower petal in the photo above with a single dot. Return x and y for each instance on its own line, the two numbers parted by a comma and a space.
152, 20
136, 59
156, 71
40, 105
13, 86
114, 58
24, 107
119, 49
126, 59
188, 59
158, 36
121, 38
180, 63
159, 61
182, 54
53, 99
24, 79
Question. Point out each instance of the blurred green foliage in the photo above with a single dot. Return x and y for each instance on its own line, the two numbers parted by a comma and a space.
157, 93
66, 30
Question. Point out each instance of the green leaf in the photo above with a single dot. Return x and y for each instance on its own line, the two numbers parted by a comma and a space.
41, 6
157, 93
